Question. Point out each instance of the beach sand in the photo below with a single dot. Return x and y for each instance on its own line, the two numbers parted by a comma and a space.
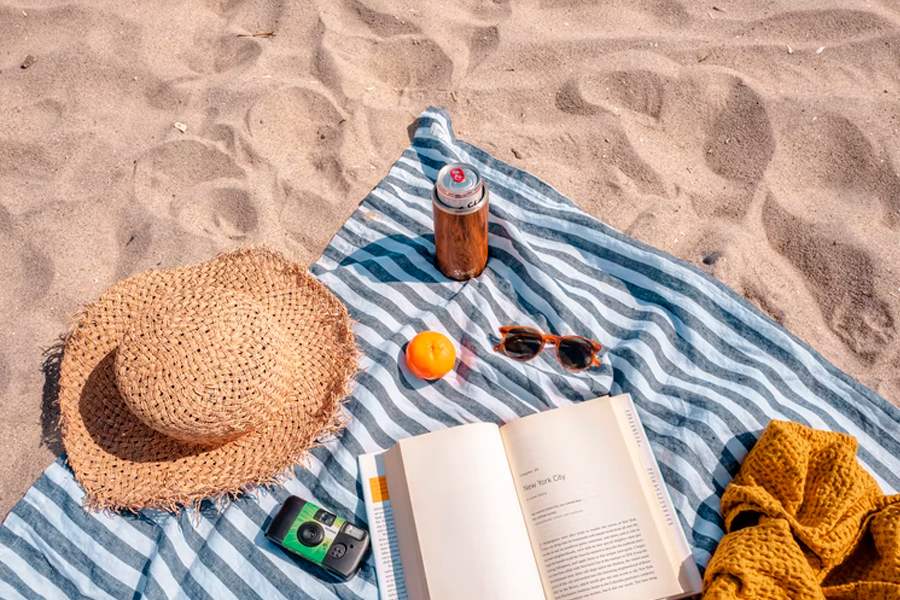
760, 144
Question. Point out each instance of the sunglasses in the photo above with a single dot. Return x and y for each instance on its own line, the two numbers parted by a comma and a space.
573, 351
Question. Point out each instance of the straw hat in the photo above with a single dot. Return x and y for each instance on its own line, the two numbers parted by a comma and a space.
187, 383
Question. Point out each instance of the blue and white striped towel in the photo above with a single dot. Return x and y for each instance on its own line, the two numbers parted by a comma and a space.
706, 370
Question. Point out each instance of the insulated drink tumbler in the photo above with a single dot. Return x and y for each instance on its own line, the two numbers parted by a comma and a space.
460, 202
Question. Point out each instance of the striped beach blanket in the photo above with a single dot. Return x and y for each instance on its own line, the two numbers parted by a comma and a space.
706, 370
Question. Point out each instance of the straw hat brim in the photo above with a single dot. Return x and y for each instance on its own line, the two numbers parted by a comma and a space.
124, 465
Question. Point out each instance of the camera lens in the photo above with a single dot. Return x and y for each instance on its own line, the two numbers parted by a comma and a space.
310, 534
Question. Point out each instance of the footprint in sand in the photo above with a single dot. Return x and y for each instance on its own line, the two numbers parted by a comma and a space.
233, 212
626, 95
198, 185
828, 153
210, 54
28, 160
668, 12
820, 26
27, 272
361, 63
298, 130
166, 173
705, 130
169, 94
376, 51
840, 276
386, 19
382, 24
495, 10
739, 143
294, 216
482, 43
637, 90
262, 14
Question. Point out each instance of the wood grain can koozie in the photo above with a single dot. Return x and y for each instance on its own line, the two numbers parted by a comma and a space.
460, 203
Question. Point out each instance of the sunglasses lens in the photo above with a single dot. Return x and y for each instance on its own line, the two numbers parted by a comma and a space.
522, 344
575, 353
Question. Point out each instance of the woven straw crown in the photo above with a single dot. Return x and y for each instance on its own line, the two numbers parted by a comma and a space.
199, 381
206, 366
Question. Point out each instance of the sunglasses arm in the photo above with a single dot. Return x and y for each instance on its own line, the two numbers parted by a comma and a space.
595, 360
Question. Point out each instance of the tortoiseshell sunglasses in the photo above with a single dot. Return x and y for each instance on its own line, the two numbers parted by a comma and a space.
574, 352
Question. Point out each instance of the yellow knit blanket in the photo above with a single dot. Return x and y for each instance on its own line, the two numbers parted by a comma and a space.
804, 521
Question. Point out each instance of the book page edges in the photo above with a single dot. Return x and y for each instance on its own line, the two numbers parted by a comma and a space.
682, 561
405, 525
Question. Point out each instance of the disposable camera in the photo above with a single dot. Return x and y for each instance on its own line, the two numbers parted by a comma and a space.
319, 536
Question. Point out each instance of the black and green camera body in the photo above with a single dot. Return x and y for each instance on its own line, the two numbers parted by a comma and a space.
319, 536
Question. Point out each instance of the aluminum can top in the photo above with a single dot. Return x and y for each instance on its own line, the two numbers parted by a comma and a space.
459, 186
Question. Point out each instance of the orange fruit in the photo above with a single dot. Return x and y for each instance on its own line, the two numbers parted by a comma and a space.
430, 355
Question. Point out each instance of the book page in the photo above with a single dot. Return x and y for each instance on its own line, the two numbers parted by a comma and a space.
457, 515
594, 529
382, 529
689, 575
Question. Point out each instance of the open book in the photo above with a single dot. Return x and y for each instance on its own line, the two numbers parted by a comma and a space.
566, 504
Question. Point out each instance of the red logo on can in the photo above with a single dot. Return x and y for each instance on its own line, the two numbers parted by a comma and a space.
457, 175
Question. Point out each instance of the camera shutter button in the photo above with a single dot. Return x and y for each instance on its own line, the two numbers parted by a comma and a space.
338, 550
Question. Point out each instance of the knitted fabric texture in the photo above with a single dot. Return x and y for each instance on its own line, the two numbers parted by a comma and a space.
804, 521
202, 381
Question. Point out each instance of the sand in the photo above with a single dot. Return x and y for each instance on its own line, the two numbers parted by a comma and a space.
759, 141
